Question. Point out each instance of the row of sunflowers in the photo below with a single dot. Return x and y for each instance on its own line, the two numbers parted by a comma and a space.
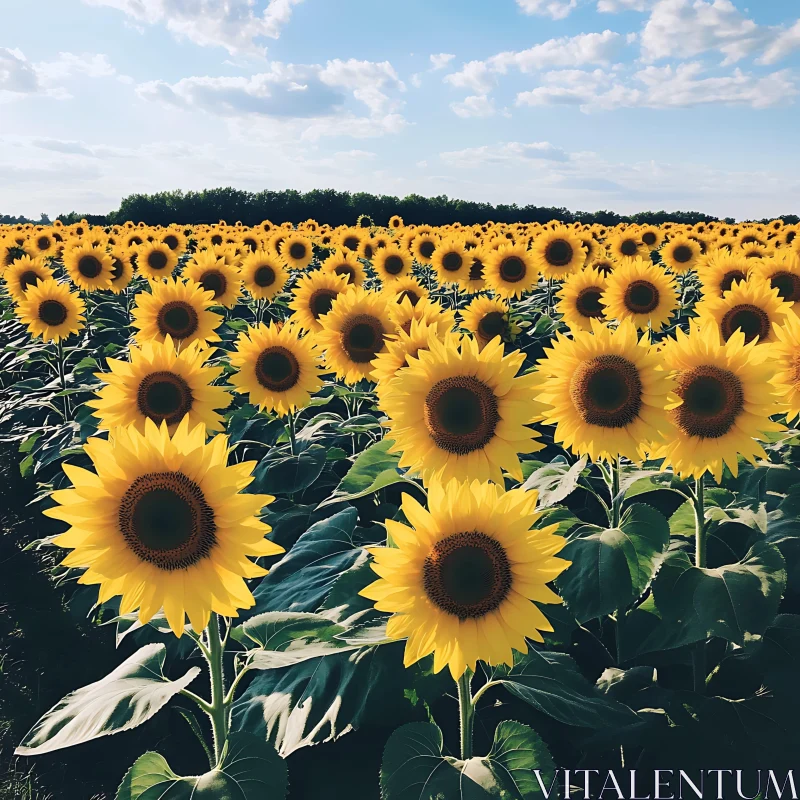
347, 463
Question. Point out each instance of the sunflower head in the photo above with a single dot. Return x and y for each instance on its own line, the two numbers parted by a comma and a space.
215, 276
313, 298
24, 273
720, 270
681, 254
558, 252
782, 273
121, 270
89, 267
51, 310
627, 244
641, 292
297, 251
466, 574
263, 274
155, 260
392, 263
426, 310
486, 318
450, 261
581, 299
510, 270
345, 263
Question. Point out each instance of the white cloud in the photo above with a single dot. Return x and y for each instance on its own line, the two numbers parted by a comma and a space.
17, 75
474, 75
504, 154
477, 105
615, 6
556, 9
685, 85
441, 60
367, 80
686, 28
784, 43
231, 24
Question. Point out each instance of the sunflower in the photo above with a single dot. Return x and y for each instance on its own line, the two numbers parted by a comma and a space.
641, 292
603, 263
314, 296
719, 270
162, 522
465, 576
474, 281
558, 252
605, 392
155, 260
423, 246
350, 239
392, 263
488, 317
626, 244
400, 347
276, 368
162, 385
425, 310
354, 332
251, 242
751, 306
462, 411
510, 270
297, 251
651, 237
782, 273
406, 288
51, 310
395, 222
215, 276
580, 299
264, 275
450, 261
24, 273
42, 243
89, 267
175, 240
755, 250
786, 352
342, 262
723, 404
178, 309
681, 254
121, 270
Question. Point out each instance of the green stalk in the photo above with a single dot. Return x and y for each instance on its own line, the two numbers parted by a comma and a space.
466, 709
290, 428
218, 712
699, 652
62, 376
616, 500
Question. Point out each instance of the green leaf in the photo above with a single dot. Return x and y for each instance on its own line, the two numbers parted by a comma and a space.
250, 770
555, 481
374, 469
135, 691
728, 602
552, 684
415, 768
279, 630
611, 568
290, 474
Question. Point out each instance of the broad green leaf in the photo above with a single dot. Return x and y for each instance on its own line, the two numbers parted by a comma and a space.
290, 474
374, 469
555, 481
415, 768
250, 770
551, 683
127, 697
612, 567
280, 630
728, 602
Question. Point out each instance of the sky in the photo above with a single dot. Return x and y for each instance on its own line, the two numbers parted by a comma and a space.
626, 105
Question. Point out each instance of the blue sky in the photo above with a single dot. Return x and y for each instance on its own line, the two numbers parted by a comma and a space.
620, 104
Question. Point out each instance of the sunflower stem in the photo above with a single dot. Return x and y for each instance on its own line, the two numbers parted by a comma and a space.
699, 652
290, 423
62, 377
218, 713
616, 499
466, 708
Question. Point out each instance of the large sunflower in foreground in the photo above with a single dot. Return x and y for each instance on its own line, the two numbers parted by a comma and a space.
724, 401
459, 411
161, 385
465, 576
264, 275
51, 310
580, 297
155, 260
89, 267
605, 391
162, 523
510, 270
178, 309
314, 296
558, 252
215, 276
24, 273
276, 368
641, 292
354, 332
751, 306
786, 353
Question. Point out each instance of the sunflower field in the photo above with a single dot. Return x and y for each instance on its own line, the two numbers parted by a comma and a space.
396, 511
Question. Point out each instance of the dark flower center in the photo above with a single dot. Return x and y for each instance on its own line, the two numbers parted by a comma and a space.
43, 243
52, 312
362, 338
27, 279
297, 251
214, 281
751, 320
251, 244
352, 242
682, 254
264, 276
467, 575
166, 521
321, 301
788, 286
712, 400
156, 260
413, 297
476, 270
607, 391
728, 279
461, 414
346, 269
117, 269
493, 324
587, 303
393, 265
426, 248
171, 241
277, 369
629, 247
89, 266
164, 396
178, 319
452, 262
641, 297
558, 253
649, 238
512, 269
